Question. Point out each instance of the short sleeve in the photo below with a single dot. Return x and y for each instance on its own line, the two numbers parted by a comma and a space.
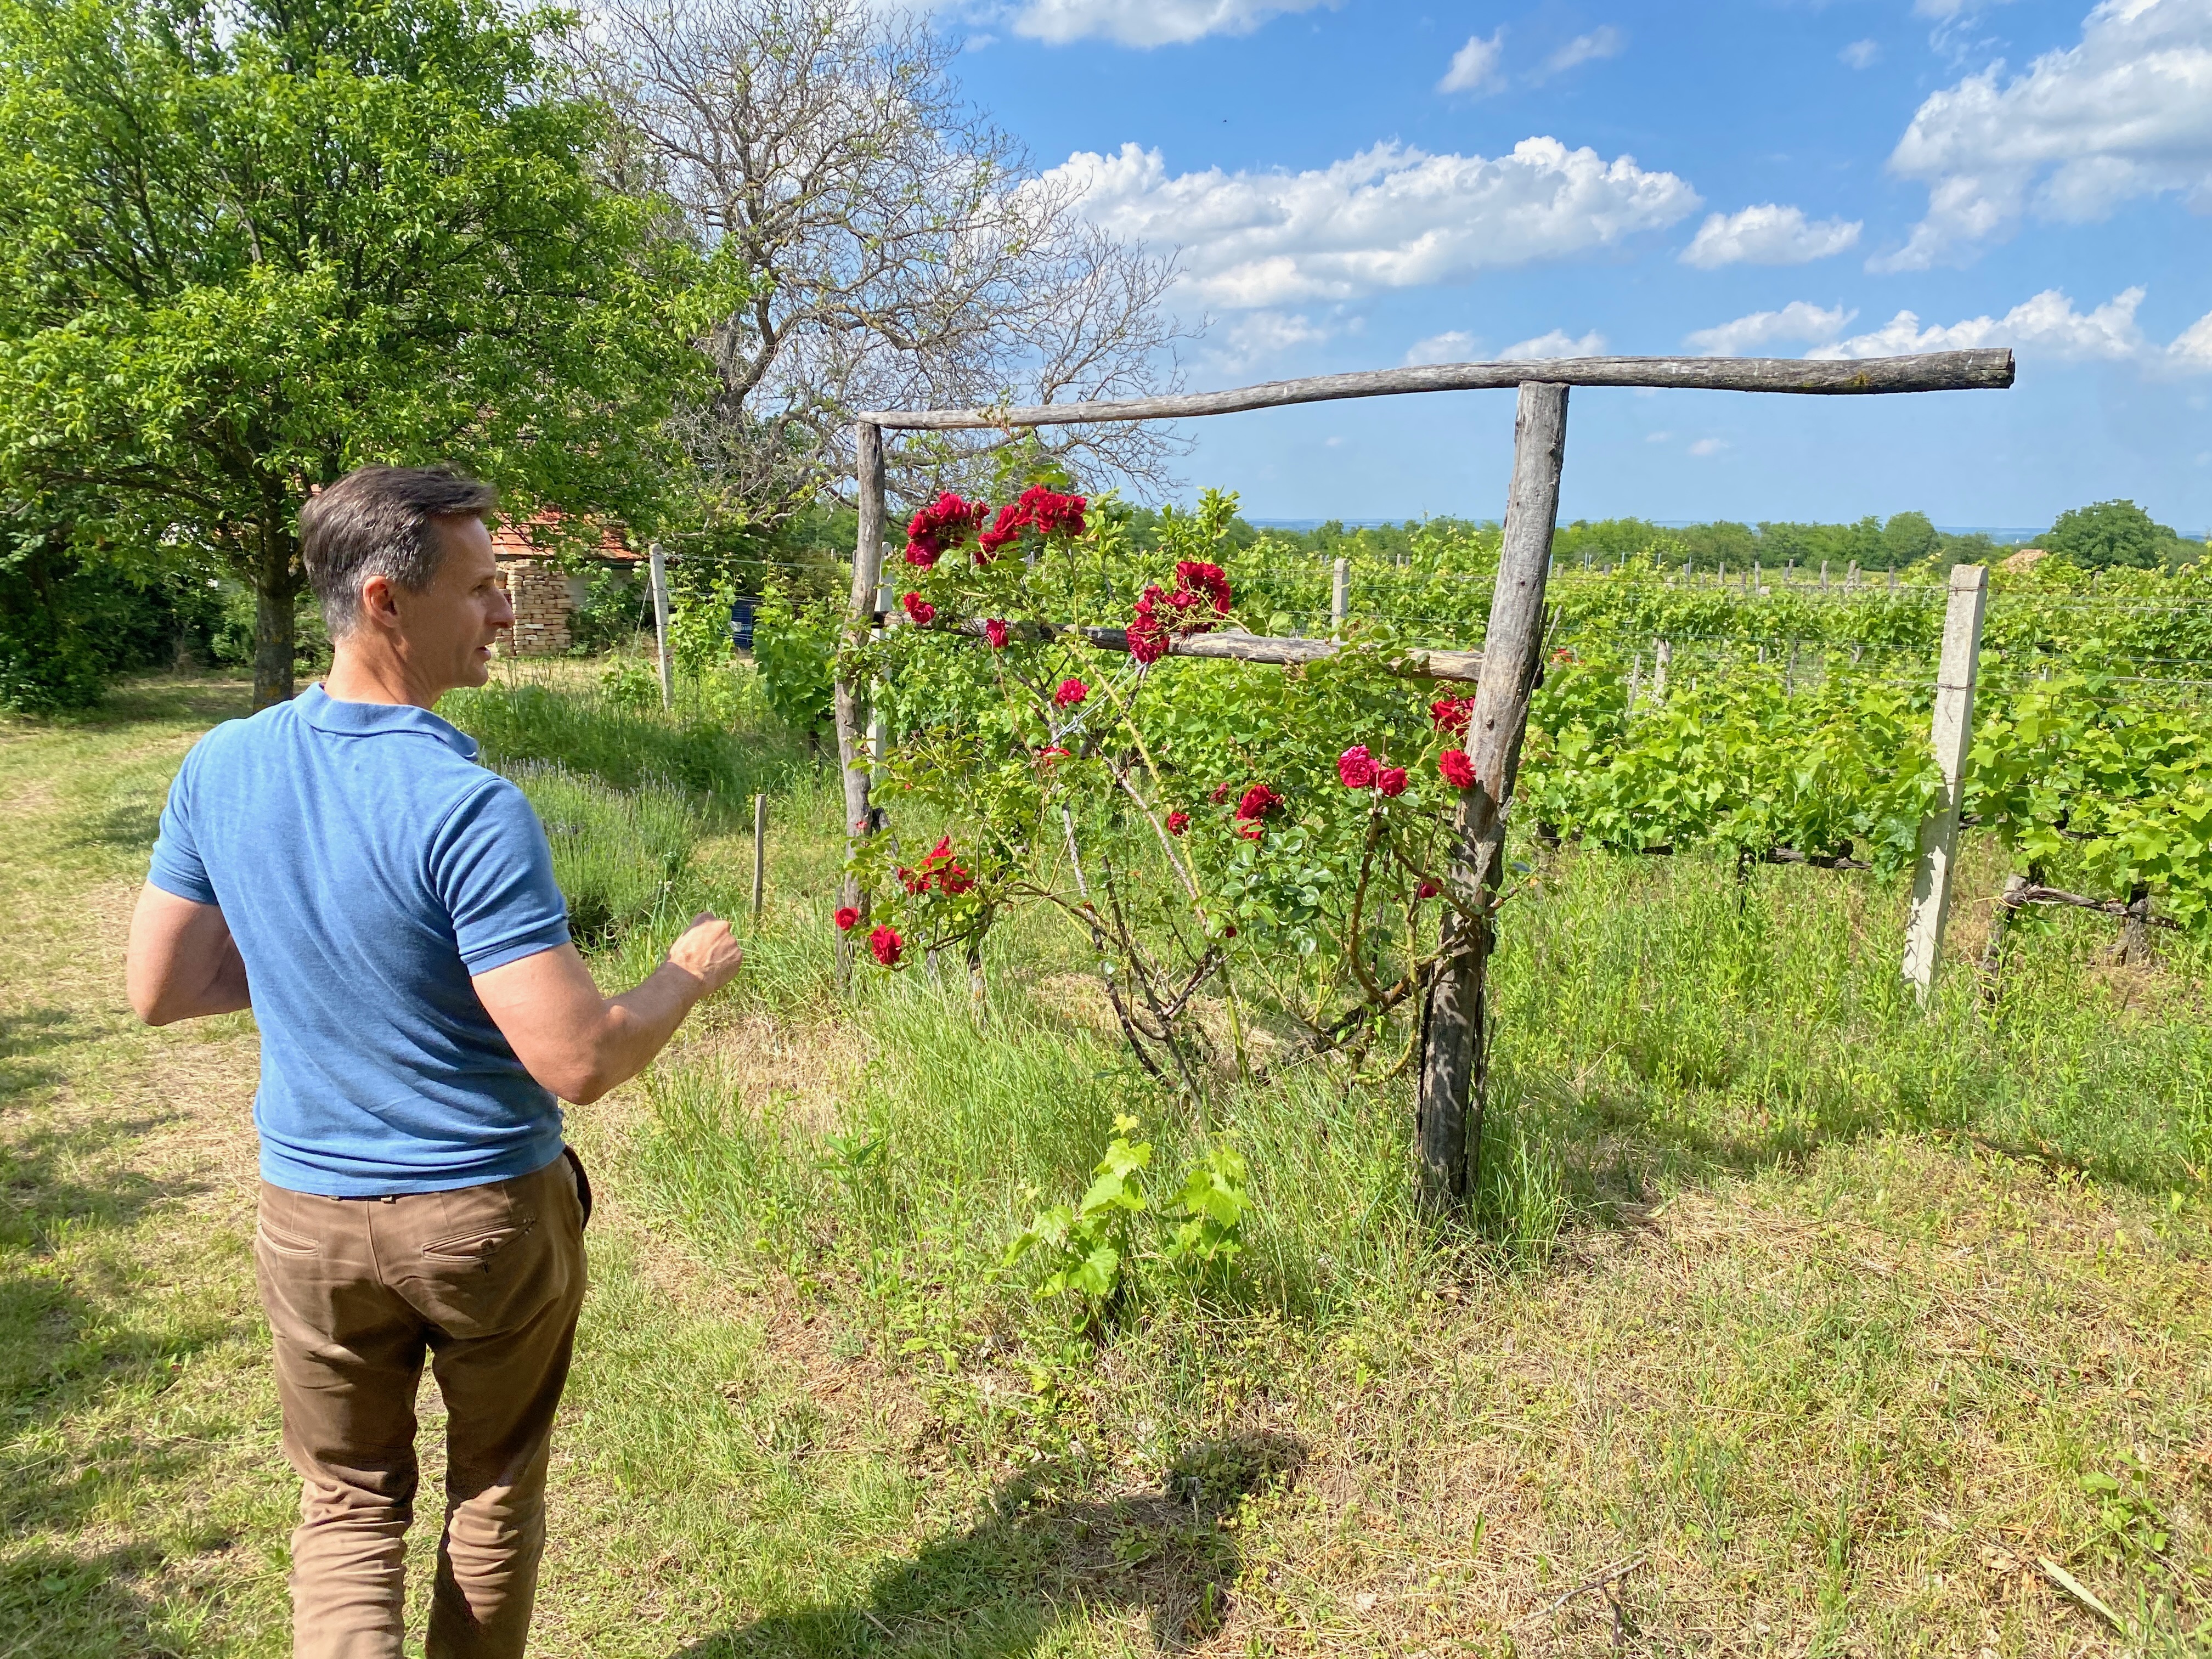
493, 872
177, 867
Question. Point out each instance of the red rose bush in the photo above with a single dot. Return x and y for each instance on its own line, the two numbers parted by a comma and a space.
1216, 831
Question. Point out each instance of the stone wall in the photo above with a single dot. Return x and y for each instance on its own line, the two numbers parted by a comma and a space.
542, 607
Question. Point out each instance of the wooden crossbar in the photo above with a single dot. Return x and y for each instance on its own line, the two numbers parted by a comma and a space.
1985, 370
1416, 663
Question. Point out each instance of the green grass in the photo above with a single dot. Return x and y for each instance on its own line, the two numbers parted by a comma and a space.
1835, 1317
618, 853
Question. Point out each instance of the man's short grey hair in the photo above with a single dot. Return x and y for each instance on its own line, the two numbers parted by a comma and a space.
376, 521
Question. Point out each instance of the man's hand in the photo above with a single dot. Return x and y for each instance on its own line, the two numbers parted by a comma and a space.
707, 952
581, 1044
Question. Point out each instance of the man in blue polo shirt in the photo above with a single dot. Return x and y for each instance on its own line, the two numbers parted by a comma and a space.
341, 866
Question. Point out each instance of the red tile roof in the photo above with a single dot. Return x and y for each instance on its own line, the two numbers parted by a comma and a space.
541, 536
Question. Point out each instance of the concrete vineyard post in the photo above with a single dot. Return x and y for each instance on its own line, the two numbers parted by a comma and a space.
760, 852
1339, 594
1952, 734
850, 706
1454, 1057
658, 566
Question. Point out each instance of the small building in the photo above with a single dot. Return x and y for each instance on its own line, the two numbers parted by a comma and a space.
544, 595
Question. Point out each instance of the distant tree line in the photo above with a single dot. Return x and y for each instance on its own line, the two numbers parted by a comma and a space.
2099, 536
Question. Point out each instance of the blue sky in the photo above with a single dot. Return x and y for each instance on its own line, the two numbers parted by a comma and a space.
1368, 183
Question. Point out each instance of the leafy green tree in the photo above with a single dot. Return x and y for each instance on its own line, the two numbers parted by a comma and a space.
71, 616
243, 251
1907, 538
2107, 533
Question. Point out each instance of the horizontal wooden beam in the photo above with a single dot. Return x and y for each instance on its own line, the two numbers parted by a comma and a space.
1219, 648
1987, 370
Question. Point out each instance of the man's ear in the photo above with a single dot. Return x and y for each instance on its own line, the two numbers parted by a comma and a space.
380, 600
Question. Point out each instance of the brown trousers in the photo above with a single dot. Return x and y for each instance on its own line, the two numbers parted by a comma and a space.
488, 1281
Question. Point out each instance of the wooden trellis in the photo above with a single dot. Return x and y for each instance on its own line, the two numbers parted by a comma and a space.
1454, 1060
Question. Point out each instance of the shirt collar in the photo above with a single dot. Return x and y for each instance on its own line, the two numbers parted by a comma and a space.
327, 714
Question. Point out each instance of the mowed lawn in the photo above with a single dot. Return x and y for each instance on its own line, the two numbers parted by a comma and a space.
1867, 1393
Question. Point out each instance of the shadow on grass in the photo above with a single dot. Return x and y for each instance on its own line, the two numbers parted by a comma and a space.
68, 1341
1002, 1587
26, 1037
61, 1607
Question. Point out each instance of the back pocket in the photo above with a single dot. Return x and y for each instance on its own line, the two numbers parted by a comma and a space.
477, 1249
283, 1243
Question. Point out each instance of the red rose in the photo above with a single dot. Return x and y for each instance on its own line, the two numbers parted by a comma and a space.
847, 918
1458, 770
886, 945
1258, 802
1148, 640
1071, 693
946, 522
1565, 655
1229, 932
1222, 793
1451, 713
1391, 780
952, 881
1052, 754
1356, 768
1251, 831
920, 610
1206, 581
995, 631
1178, 821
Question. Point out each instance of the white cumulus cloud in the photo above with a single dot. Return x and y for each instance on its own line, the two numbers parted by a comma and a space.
1454, 345
1768, 235
2126, 112
1705, 446
1147, 22
1800, 321
1861, 54
1255, 336
2192, 350
1475, 65
2047, 323
1605, 42
1389, 217
1556, 344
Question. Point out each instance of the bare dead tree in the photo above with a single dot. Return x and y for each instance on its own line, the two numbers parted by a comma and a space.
897, 248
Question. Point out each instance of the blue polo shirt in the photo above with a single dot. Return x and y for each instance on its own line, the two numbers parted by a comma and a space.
367, 866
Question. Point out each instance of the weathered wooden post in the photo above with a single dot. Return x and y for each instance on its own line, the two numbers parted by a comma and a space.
1454, 1060
849, 705
760, 853
1952, 734
1339, 596
658, 566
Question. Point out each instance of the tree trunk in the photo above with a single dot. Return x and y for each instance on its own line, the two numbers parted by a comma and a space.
276, 584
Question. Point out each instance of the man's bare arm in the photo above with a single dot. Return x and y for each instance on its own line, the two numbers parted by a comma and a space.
579, 1043
182, 962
